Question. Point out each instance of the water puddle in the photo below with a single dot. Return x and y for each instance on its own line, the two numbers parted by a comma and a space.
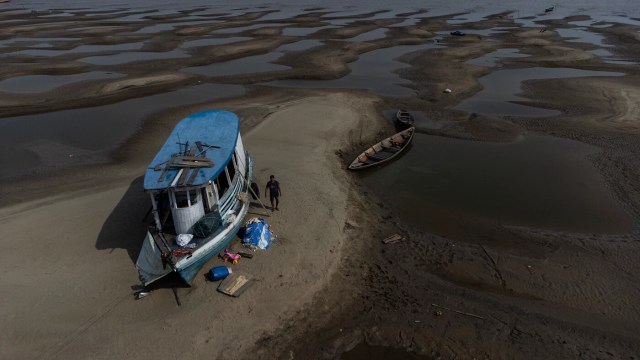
213, 41
27, 41
30, 84
251, 64
540, 181
285, 11
364, 351
615, 19
371, 35
405, 22
127, 57
581, 35
303, 31
152, 29
155, 29
37, 142
36, 52
372, 71
500, 87
76, 50
245, 28
494, 58
301, 45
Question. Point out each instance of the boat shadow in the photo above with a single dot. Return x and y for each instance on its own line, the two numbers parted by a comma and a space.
126, 226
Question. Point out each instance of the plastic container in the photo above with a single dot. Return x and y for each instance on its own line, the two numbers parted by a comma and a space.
220, 272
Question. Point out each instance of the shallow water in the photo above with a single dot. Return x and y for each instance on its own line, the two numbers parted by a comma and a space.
230, 30
301, 45
252, 64
213, 41
370, 35
373, 71
30, 84
540, 181
502, 86
302, 31
37, 142
245, 65
152, 29
128, 57
582, 35
494, 58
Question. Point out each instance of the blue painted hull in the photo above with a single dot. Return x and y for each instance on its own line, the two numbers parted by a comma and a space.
189, 272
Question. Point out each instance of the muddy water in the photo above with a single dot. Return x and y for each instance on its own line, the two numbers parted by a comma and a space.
373, 71
47, 141
42, 83
539, 181
501, 87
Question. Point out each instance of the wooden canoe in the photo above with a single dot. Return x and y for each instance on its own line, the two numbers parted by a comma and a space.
383, 151
405, 117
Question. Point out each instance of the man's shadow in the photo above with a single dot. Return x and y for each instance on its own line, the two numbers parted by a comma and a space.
127, 225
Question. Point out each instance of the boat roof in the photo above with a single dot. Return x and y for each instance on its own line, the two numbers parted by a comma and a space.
216, 131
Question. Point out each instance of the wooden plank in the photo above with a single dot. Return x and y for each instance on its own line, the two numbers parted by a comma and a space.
235, 284
192, 178
166, 168
200, 148
193, 158
200, 164
183, 177
393, 238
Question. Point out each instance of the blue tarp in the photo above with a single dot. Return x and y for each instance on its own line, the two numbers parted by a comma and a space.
257, 234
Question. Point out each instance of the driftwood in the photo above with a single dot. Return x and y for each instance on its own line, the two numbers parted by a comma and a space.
459, 312
392, 239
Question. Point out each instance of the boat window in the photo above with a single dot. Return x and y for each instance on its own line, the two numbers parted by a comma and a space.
231, 167
186, 198
222, 183
223, 180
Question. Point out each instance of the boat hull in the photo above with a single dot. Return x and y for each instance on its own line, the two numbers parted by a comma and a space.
378, 148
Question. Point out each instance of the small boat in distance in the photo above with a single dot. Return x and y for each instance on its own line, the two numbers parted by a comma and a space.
404, 117
383, 151
458, 33
198, 184
549, 9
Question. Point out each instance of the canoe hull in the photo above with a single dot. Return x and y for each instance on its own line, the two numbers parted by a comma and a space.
382, 151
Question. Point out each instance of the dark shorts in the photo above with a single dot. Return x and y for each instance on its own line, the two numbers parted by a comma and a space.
273, 196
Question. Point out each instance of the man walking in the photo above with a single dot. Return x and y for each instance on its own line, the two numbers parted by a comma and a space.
274, 191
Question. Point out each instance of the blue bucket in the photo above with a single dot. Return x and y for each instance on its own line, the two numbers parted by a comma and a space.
219, 272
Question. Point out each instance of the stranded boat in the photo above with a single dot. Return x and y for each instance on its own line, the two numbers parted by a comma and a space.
383, 151
198, 185
405, 117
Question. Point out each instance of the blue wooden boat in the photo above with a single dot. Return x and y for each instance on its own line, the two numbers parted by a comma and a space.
198, 184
